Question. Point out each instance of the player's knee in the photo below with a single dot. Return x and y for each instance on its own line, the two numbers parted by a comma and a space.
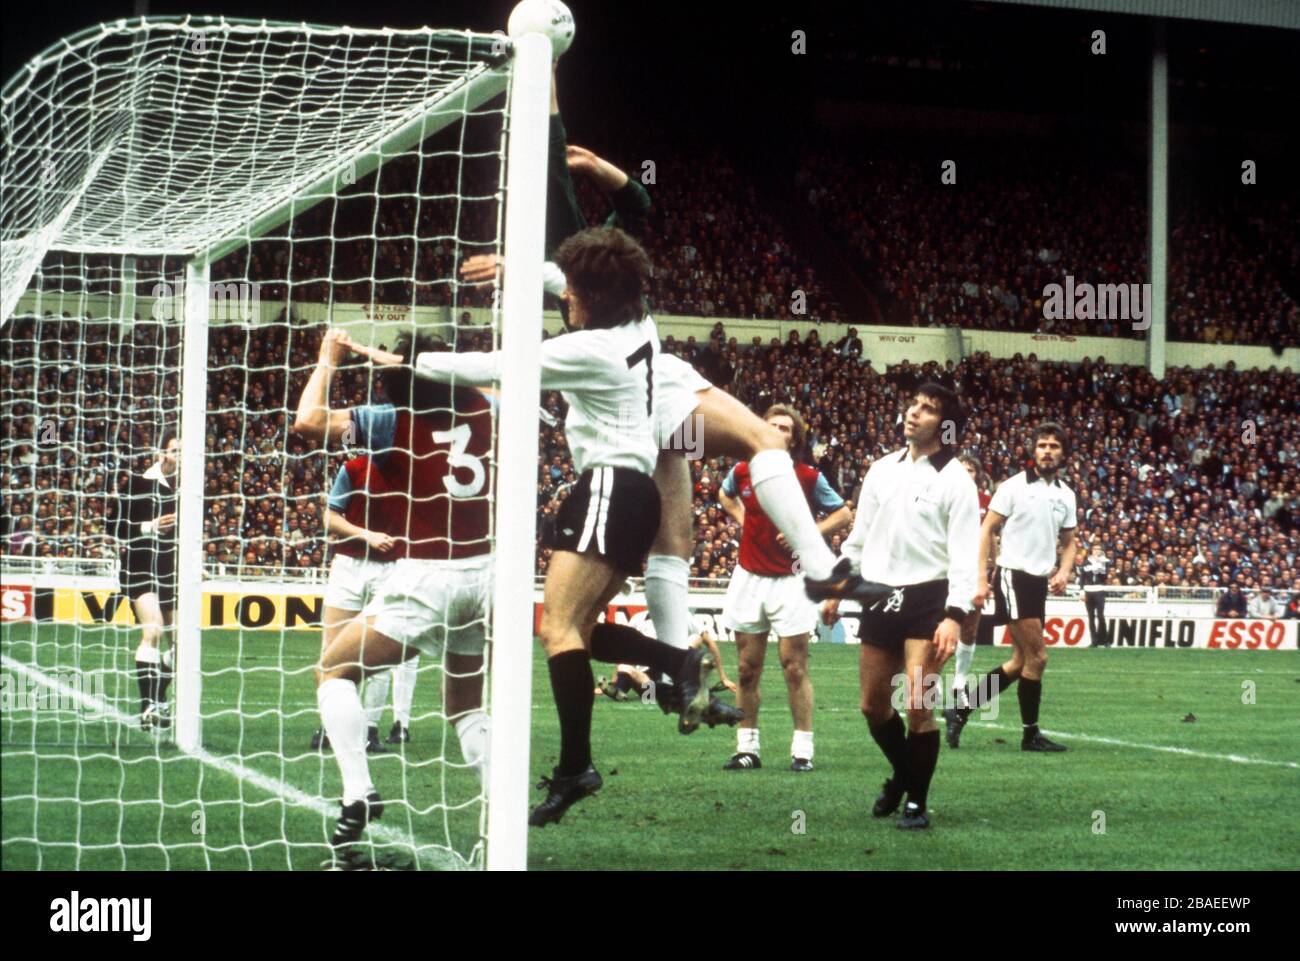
558, 635
750, 672
150, 635
795, 670
876, 712
1037, 659
345, 672
919, 717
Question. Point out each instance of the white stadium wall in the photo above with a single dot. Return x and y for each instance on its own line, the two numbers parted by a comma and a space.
883, 346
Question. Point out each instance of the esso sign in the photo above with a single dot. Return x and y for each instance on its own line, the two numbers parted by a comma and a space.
15, 603
1248, 634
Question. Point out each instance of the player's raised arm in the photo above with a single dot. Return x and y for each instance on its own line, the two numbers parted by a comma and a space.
314, 420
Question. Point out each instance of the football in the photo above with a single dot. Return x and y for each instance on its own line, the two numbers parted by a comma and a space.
543, 16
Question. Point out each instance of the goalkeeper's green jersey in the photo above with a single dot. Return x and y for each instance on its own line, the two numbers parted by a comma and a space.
564, 217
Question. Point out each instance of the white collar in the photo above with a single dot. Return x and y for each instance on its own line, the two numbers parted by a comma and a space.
156, 473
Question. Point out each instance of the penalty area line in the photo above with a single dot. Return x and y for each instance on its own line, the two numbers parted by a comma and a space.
432, 857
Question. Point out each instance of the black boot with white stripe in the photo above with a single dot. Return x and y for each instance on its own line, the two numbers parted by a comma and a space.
743, 761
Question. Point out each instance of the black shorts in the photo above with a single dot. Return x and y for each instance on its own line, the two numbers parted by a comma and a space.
613, 512
1018, 596
914, 611
148, 572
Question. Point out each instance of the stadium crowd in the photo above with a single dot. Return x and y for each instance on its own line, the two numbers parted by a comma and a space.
1189, 481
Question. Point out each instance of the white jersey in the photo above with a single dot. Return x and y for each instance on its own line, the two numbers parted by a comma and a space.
918, 521
1036, 512
606, 378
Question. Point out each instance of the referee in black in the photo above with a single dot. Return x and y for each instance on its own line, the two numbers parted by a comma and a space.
917, 529
1092, 574
144, 523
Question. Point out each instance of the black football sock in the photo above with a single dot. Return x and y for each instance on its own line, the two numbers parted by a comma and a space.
146, 678
1031, 695
624, 683
892, 738
571, 683
922, 756
990, 686
620, 644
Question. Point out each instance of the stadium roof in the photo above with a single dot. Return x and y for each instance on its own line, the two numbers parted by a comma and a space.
1256, 13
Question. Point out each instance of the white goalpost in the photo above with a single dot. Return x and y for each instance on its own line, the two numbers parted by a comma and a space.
187, 204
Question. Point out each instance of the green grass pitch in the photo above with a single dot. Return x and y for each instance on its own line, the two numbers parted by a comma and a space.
1140, 788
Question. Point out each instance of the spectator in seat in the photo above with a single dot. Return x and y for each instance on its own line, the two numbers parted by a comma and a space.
1265, 605
1232, 603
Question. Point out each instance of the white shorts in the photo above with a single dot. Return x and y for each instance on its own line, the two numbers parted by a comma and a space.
757, 604
676, 384
353, 581
435, 605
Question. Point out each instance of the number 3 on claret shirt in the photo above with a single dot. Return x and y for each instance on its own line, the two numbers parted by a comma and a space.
645, 352
458, 438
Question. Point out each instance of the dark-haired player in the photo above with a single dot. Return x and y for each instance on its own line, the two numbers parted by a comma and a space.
1035, 511
144, 523
916, 529
430, 453
604, 368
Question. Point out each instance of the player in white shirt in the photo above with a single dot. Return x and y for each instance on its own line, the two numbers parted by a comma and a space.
916, 529
604, 369
1035, 511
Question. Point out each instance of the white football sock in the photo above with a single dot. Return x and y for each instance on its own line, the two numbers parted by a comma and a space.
666, 587
965, 654
344, 721
747, 740
169, 657
404, 677
801, 745
375, 696
783, 501
473, 730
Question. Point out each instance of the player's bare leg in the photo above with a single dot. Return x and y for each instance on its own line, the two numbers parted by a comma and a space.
876, 670
793, 651
1031, 651
577, 585
751, 652
357, 650
923, 690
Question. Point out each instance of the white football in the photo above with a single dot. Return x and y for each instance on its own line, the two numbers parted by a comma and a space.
543, 16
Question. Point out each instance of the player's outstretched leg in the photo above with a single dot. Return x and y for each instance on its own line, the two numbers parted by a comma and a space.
689, 669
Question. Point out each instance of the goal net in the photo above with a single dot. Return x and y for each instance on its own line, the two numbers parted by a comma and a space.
188, 204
